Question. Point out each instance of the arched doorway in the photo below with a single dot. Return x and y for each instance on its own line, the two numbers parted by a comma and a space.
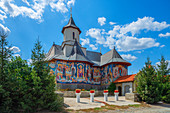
120, 90
127, 87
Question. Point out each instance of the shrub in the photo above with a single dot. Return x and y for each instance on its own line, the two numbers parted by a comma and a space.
111, 88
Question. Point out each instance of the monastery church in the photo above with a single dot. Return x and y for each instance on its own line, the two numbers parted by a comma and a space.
75, 67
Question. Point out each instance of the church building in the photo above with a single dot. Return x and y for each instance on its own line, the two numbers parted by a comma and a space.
77, 67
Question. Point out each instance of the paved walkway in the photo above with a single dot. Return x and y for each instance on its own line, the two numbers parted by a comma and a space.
85, 103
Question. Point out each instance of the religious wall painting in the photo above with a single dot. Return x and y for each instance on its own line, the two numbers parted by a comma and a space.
80, 72
87, 74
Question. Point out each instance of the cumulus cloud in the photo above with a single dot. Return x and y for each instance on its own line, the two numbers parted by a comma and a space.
129, 43
123, 36
70, 2
128, 57
158, 63
4, 31
29, 61
85, 41
17, 55
93, 47
15, 49
33, 9
101, 20
146, 23
162, 46
164, 35
112, 23
97, 34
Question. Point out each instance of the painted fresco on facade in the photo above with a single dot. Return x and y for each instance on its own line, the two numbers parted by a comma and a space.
76, 72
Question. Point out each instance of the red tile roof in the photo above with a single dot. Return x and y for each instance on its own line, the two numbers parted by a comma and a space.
128, 78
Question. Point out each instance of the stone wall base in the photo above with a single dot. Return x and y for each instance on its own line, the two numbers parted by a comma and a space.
81, 86
132, 96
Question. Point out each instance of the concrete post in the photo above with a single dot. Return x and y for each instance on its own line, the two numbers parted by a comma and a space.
92, 97
78, 97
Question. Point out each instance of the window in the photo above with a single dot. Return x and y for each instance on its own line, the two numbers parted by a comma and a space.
73, 35
73, 72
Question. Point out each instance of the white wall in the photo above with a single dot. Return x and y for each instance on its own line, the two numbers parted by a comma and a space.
123, 86
68, 34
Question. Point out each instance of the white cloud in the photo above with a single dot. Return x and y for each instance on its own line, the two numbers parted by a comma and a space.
59, 6
101, 20
29, 61
128, 43
158, 63
4, 30
162, 46
93, 47
164, 35
33, 9
70, 2
15, 49
123, 37
96, 33
85, 41
145, 23
25, 1
128, 57
112, 23
17, 55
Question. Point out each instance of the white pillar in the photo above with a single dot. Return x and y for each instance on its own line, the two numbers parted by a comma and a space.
92, 97
116, 96
105, 97
78, 97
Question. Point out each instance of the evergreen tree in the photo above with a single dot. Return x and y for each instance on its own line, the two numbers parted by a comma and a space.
147, 84
164, 79
5, 55
46, 96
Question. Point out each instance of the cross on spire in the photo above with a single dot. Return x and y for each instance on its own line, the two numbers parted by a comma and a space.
71, 11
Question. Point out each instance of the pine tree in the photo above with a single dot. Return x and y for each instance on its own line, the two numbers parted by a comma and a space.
5, 55
164, 79
46, 96
147, 84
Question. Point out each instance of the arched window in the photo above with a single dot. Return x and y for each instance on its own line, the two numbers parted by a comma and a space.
73, 35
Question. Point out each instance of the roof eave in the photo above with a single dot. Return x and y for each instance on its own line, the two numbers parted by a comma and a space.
71, 27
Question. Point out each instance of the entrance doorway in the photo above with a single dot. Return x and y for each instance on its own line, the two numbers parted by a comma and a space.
127, 87
120, 90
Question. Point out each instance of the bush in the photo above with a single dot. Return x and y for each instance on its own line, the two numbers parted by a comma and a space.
112, 88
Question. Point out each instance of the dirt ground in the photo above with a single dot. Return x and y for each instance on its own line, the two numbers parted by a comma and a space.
143, 108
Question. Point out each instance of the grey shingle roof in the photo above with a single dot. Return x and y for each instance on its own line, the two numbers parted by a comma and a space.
72, 24
77, 54
112, 56
94, 57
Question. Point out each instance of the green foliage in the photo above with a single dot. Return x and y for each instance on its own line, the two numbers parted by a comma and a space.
164, 79
147, 84
24, 88
112, 88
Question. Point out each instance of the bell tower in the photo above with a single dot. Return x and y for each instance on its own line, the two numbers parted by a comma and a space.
71, 31
71, 34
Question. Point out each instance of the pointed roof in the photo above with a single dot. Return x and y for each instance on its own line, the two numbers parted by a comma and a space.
71, 24
113, 56
77, 54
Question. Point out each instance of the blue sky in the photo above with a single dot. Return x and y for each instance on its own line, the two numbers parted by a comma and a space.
138, 29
